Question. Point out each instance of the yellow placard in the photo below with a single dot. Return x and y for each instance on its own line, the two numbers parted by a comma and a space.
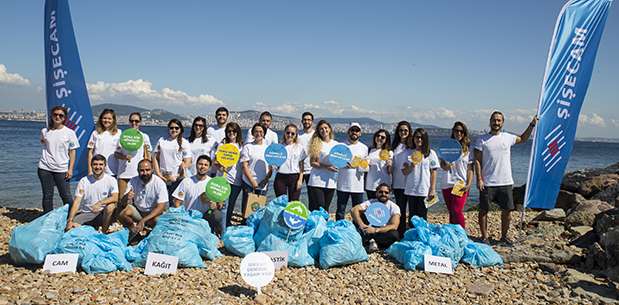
364, 163
384, 155
458, 189
355, 161
416, 157
227, 155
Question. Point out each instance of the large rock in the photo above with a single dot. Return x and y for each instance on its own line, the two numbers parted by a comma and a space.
610, 243
551, 215
568, 200
584, 214
604, 221
608, 193
589, 182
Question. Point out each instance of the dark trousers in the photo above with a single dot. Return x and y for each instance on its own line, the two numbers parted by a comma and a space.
383, 240
309, 194
321, 197
416, 207
214, 218
286, 184
342, 202
48, 181
229, 209
171, 186
371, 194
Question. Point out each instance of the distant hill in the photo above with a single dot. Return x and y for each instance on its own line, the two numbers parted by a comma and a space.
123, 110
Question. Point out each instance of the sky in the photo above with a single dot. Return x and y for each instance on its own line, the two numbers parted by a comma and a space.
430, 62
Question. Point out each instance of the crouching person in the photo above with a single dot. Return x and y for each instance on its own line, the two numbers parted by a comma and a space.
95, 198
191, 193
377, 237
145, 199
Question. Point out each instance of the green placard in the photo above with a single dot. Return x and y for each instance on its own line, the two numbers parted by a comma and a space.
218, 189
131, 139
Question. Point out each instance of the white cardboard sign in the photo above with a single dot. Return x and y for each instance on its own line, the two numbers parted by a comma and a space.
279, 258
257, 270
160, 263
56, 263
437, 264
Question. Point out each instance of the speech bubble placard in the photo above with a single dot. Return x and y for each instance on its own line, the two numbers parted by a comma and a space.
275, 154
450, 150
218, 189
340, 155
131, 139
227, 154
257, 270
295, 215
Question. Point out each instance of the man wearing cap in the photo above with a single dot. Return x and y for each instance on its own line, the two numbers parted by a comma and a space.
350, 180
377, 237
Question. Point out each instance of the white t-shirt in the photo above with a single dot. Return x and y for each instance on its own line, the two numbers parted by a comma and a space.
377, 172
128, 170
351, 179
258, 167
198, 148
170, 158
296, 153
458, 170
304, 139
148, 196
400, 156
190, 190
92, 190
105, 144
394, 209
418, 180
234, 173
496, 167
270, 137
322, 177
216, 133
56, 146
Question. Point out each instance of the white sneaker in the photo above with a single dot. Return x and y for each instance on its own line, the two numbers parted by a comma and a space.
372, 246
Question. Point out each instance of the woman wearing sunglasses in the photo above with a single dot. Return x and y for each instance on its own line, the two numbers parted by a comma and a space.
380, 161
104, 141
459, 171
289, 178
128, 160
172, 156
199, 142
233, 173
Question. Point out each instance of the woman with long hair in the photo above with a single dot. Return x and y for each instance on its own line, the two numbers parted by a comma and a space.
57, 158
233, 135
128, 160
199, 142
172, 156
289, 178
380, 161
256, 171
420, 178
401, 152
104, 141
322, 179
458, 172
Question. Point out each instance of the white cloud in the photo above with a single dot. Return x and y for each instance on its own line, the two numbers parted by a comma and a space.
286, 108
12, 78
594, 120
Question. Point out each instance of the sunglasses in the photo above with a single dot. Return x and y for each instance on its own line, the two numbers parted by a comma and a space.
134, 121
291, 133
174, 128
60, 115
232, 131
381, 137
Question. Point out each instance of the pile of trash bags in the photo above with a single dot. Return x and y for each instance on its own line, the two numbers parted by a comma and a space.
446, 240
327, 242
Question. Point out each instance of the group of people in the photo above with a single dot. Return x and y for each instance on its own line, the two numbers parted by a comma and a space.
136, 187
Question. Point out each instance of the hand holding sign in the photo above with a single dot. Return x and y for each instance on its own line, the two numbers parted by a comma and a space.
131, 139
276, 154
450, 150
227, 155
218, 189
340, 155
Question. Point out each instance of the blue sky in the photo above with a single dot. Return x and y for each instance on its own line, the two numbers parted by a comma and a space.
426, 61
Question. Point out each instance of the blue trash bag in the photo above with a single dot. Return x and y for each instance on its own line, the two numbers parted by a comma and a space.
272, 222
179, 233
481, 255
98, 252
409, 253
341, 245
315, 227
451, 244
31, 242
254, 219
239, 240
298, 255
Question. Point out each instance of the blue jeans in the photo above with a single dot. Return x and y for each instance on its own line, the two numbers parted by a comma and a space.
48, 181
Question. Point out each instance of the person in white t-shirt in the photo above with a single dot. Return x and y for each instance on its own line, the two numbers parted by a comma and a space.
401, 152
191, 193
350, 180
270, 136
377, 237
128, 160
305, 135
104, 141
216, 132
256, 171
172, 156
57, 158
322, 180
420, 179
233, 173
494, 172
289, 177
95, 198
145, 200
380, 169
459, 171
200, 143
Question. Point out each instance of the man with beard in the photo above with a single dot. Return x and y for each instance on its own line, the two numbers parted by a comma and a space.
304, 137
494, 172
217, 131
146, 198
377, 237
95, 198
350, 179
270, 136
191, 193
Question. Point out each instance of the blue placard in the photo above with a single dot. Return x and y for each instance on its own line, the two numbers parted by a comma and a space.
276, 154
450, 150
293, 221
377, 214
340, 155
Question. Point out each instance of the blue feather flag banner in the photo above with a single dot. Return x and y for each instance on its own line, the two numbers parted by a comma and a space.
568, 71
64, 78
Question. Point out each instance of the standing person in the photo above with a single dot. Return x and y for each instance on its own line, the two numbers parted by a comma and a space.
172, 156
494, 172
420, 179
128, 161
350, 180
95, 198
57, 158
216, 132
305, 135
380, 169
233, 173
199, 142
322, 180
401, 152
459, 170
289, 177
104, 140
377, 237
256, 171
269, 136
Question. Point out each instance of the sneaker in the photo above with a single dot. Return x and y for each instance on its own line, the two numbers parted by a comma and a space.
372, 246
506, 242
